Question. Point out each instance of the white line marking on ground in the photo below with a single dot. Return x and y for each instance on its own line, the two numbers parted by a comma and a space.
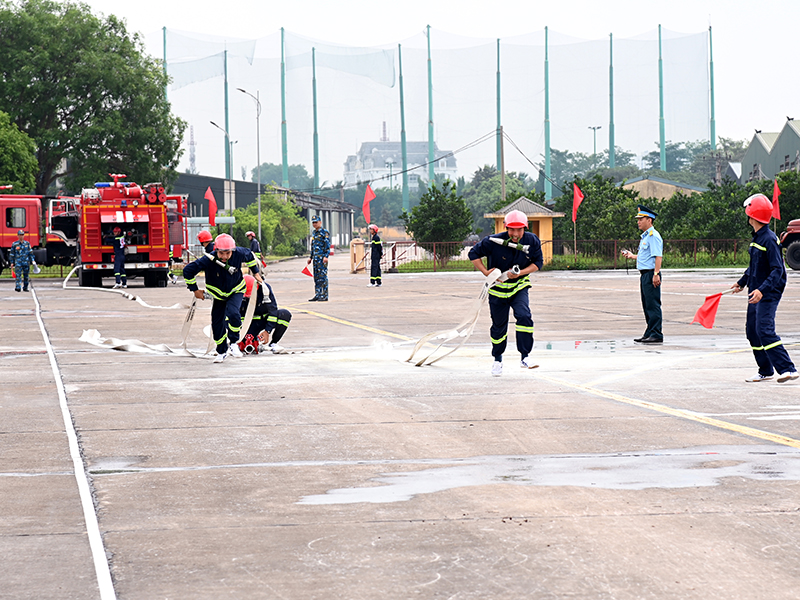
101, 567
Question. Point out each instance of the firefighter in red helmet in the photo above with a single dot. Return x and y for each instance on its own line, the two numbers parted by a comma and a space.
765, 279
269, 322
118, 241
225, 284
513, 247
206, 240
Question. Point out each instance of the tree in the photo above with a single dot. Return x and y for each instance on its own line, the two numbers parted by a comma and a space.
486, 196
83, 88
282, 227
18, 165
299, 179
441, 216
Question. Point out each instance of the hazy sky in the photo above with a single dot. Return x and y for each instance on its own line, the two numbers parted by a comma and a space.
754, 44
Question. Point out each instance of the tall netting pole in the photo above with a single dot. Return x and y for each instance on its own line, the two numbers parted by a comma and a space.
316, 133
611, 142
166, 84
711, 89
499, 121
228, 174
548, 186
403, 149
430, 110
661, 135
284, 151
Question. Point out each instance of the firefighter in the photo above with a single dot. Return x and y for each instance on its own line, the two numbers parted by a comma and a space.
206, 241
21, 256
117, 239
320, 250
225, 284
765, 279
269, 321
376, 253
255, 246
504, 251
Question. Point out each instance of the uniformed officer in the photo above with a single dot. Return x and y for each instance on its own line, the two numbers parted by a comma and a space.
765, 279
255, 246
269, 322
514, 247
206, 241
320, 250
376, 253
225, 283
117, 240
648, 261
21, 256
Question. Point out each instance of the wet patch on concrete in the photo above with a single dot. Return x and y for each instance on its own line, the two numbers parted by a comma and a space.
678, 468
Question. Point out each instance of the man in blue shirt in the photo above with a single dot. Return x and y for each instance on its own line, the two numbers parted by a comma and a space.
648, 261
513, 248
765, 279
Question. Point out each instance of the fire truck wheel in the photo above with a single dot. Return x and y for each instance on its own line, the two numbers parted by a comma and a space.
793, 255
89, 279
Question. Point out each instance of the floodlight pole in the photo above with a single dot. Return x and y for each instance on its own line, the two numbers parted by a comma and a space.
258, 153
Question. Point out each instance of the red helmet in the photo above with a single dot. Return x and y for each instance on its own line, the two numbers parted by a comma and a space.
117, 230
759, 207
516, 218
249, 282
204, 237
224, 242
373, 227
250, 233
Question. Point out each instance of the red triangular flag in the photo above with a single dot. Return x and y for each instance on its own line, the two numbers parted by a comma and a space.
212, 207
369, 196
306, 271
577, 198
706, 314
776, 207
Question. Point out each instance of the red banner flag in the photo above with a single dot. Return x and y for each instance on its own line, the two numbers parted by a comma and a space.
212, 207
369, 196
776, 207
307, 271
577, 198
706, 314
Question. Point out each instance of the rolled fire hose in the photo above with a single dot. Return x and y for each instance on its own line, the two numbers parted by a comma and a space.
465, 328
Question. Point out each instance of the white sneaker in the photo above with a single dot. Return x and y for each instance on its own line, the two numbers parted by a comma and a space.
371, 285
220, 357
125, 285
788, 376
116, 286
497, 368
276, 348
527, 363
759, 377
233, 350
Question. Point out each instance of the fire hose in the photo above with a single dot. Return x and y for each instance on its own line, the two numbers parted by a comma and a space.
465, 328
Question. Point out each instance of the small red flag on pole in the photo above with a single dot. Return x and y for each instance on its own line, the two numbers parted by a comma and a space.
577, 198
307, 271
369, 196
776, 207
212, 207
706, 314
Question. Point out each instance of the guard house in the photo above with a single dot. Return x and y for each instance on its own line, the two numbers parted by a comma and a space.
540, 222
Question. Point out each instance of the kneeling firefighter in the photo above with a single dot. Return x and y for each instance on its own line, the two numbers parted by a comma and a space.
225, 284
269, 321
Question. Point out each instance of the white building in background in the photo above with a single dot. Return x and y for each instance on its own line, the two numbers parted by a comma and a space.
381, 164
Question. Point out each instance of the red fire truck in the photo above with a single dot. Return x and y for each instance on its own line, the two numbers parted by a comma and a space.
78, 230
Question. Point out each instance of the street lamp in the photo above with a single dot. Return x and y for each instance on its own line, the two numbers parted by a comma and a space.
229, 166
258, 154
594, 133
390, 164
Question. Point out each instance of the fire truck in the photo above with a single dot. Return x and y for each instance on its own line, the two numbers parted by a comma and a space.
80, 230
790, 239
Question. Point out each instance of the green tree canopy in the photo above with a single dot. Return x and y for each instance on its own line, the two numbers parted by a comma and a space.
18, 165
282, 227
299, 179
484, 195
441, 216
83, 88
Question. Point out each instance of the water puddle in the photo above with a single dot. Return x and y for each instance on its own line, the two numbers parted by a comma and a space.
679, 468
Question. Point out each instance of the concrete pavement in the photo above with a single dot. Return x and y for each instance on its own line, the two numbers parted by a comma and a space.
611, 471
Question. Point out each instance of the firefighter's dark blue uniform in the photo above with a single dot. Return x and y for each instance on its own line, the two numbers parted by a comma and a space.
267, 316
376, 253
766, 273
118, 242
511, 294
225, 283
